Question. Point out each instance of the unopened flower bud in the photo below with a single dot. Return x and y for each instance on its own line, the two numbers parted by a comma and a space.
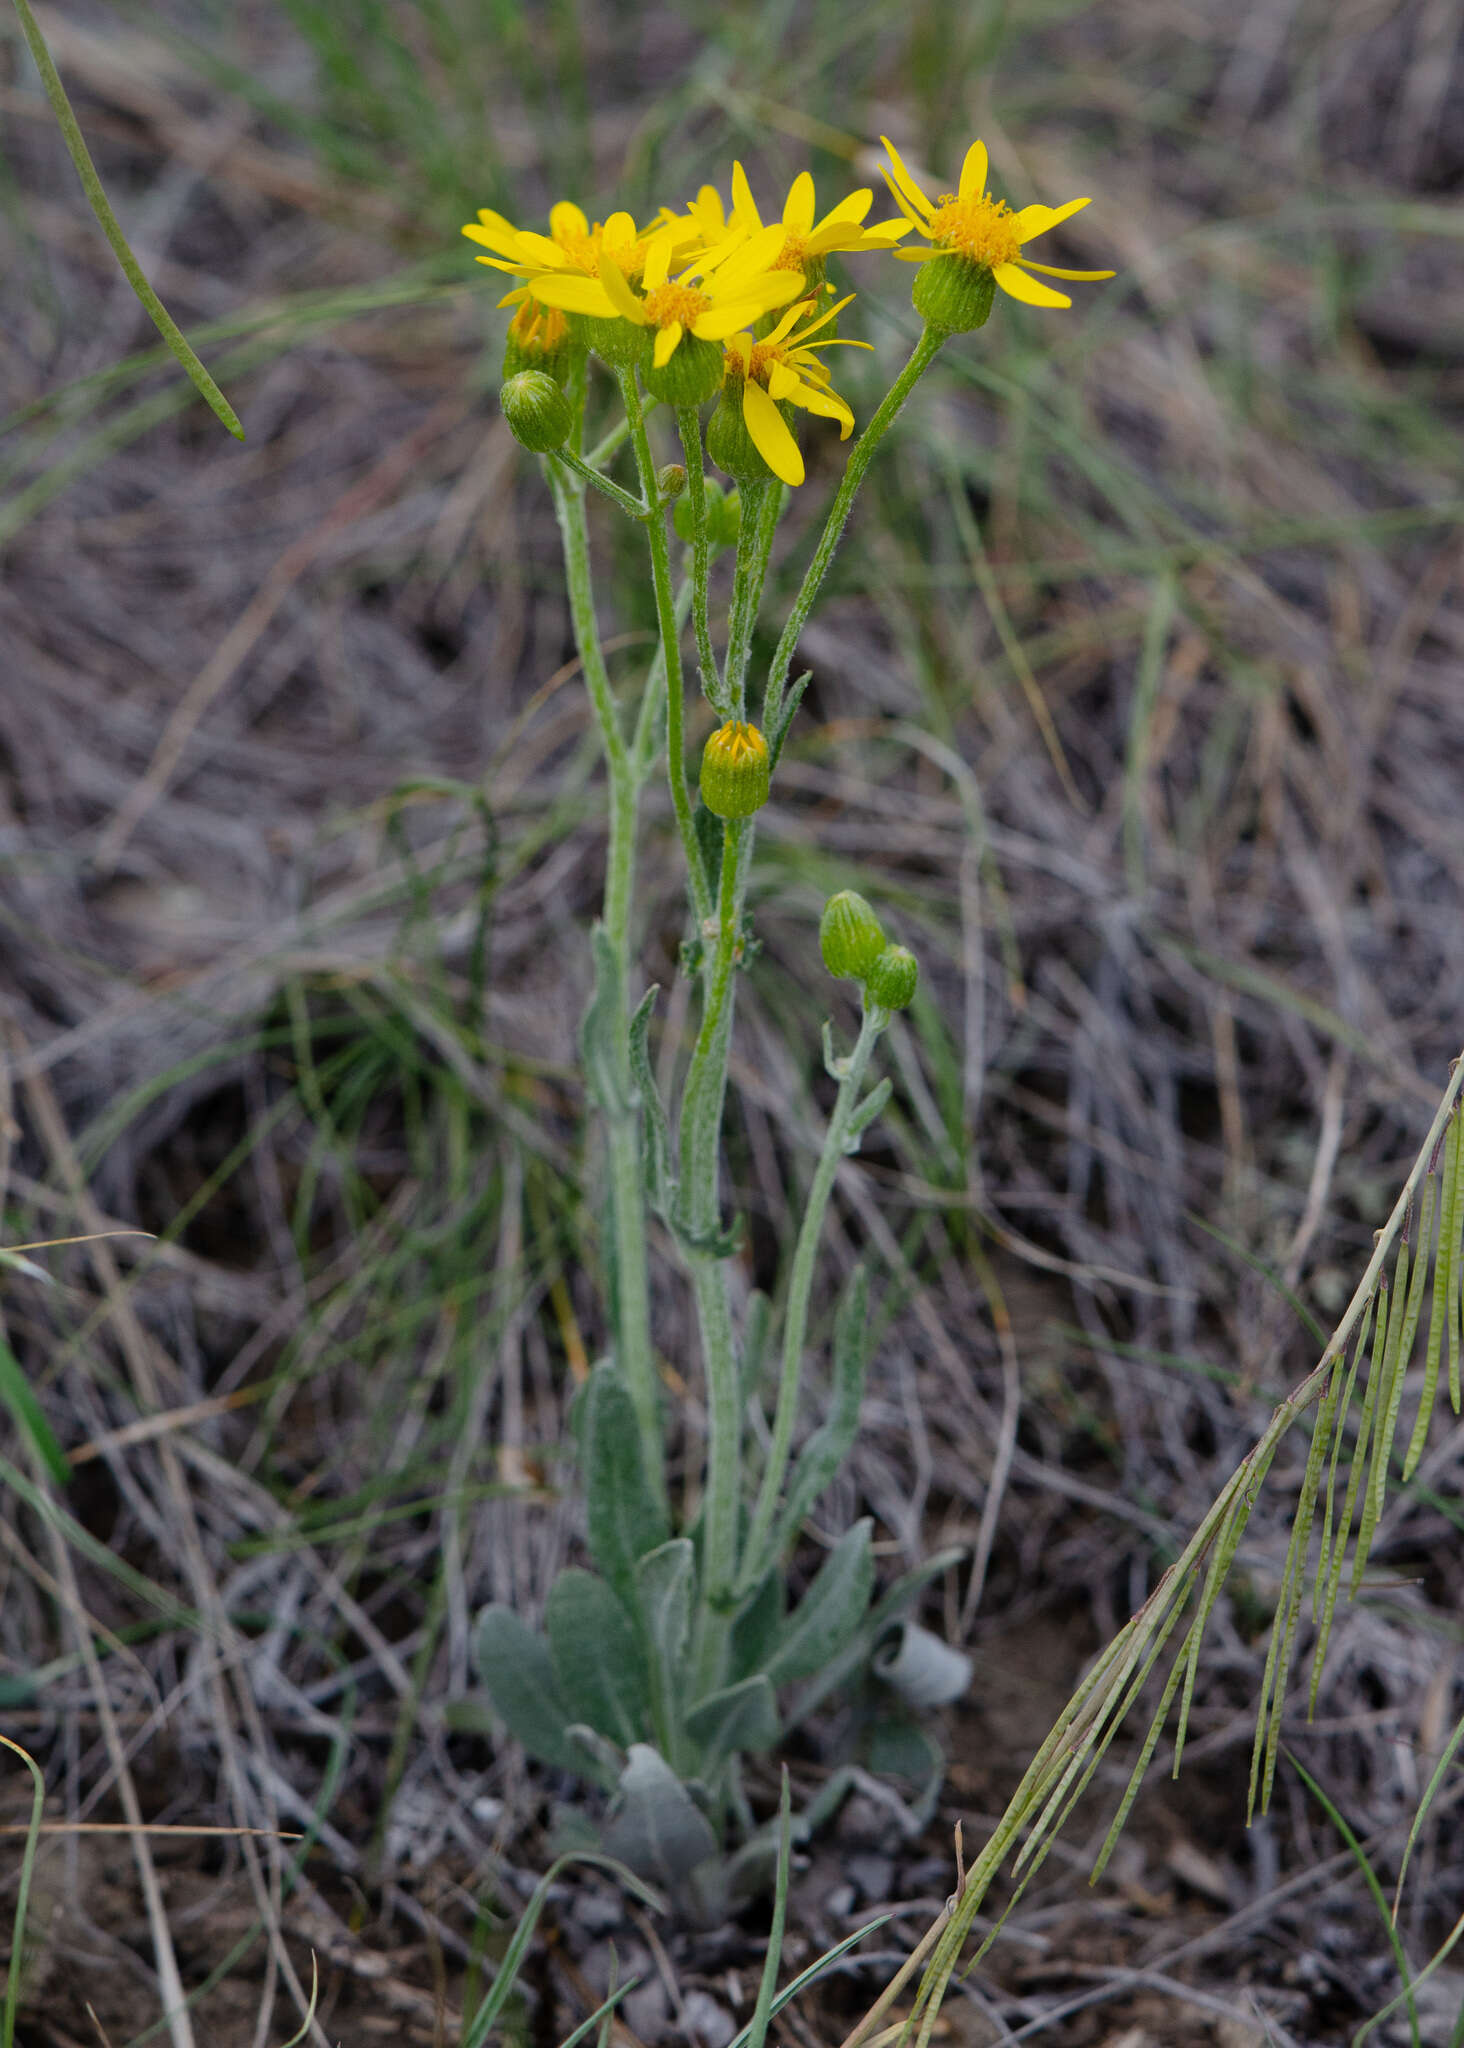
670, 483
730, 445
953, 295
735, 770
538, 413
539, 339
850, 936
891, 980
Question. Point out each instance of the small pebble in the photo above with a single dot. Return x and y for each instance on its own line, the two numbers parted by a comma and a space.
708, 2024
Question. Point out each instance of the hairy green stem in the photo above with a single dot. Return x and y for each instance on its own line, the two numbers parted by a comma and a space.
688, 420
723, 1499
671, 643
762, 507
860, 456
627, 1207
800, 1289
636, 507
706, 1077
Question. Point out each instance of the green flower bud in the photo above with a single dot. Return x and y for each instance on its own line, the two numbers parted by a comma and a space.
539, 339
891, 980
690, 376
538, 413
670, 483
952, 295
850, 936
730, 445
735, 770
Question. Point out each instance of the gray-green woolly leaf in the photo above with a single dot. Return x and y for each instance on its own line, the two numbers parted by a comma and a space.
518, 1675
830, 1612
756, 1628
897, 1746
597, 1757
822, 1456
756, 1323
625, 1518
664, 1581
658, 1176
600, 1049
654, 1825
598, 1666
739, 1717
920, 1668
865, 1114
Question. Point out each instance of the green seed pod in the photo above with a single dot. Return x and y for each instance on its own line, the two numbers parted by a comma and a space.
690, 377
538, 413
850, 936
735, 770
730, 445
891, 980
952, 295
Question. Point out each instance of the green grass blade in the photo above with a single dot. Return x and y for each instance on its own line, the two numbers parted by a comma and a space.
87, 171
1369, 1878
1440, 1772
16, 1393
1456, 1260
1446, 1258
22, 1896
757, 2032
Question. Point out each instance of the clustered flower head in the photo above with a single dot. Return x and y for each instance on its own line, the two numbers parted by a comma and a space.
716, 301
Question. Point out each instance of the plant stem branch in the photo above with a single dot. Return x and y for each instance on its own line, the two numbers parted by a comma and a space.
688, 420
627, 1206
860, 456
671, 643
800, 1289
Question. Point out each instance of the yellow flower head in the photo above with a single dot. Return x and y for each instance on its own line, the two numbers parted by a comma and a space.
782, 369
572, 246
985, 233
806, 241
725, 288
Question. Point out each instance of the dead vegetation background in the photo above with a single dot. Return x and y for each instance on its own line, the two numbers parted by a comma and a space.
1137, 706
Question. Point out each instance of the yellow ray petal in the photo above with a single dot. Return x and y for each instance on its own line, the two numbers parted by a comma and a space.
498, 263
566, 219
770, 434
739, 346
709, 205
1047, 269
666, 340
618, 231
658, 260
744, 206
622, 299
852, 208
758, 252
781, 381
918, 255
973, 172
901, 183
720, 321
538, 250
913, 219
1036, 220
798, 213
574, 294
493, 238
828, 405
1017, 285
831, 313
